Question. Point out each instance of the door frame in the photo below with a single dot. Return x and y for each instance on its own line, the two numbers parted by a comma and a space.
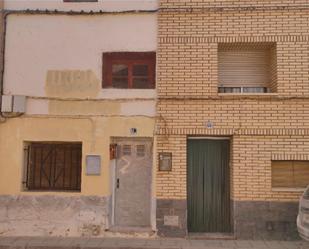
113, 181
232, 203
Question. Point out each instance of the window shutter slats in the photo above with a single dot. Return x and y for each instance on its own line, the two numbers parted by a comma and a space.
282, 174
290, 174
243, 68
301, 173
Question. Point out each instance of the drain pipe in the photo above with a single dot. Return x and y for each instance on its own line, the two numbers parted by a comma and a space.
3, 16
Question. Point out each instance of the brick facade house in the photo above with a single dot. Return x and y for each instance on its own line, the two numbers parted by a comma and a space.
236, 71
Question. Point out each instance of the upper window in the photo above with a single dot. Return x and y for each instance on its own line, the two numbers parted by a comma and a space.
129, 70
290, 174
53, 166
247, 67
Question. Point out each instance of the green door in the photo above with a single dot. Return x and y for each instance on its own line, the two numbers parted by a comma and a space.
208, 186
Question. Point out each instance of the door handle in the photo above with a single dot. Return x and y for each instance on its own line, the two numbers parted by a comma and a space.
118, 182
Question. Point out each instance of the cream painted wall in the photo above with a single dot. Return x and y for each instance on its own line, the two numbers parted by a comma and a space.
94, 133
42, 48
36, 44
106, 5
56, 61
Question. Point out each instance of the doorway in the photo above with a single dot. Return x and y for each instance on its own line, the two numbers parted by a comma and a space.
133, 175
208, 185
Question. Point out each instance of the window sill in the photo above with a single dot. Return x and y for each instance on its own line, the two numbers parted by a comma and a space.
248, 94
296, 190
113, 93
46, 192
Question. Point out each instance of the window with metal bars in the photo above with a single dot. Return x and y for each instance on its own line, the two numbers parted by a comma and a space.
53, 166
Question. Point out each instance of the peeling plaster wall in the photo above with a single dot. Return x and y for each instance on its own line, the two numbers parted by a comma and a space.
60, 48
85, 213
56, 61
71, 216
94, 132
60, 56
72, 83
107, 108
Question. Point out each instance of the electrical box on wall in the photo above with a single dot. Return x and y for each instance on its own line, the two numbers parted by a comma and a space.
7, 103
93, 165
13, 103
165, 161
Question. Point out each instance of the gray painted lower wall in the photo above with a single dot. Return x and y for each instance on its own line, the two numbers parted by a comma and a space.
252, 219
53, 215
172, 218
266, 220
90, 216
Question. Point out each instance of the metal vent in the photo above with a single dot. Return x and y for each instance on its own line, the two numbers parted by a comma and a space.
140, 150
126, 150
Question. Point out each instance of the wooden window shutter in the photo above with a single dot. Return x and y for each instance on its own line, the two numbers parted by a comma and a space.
282, 174
301, 173
290, 174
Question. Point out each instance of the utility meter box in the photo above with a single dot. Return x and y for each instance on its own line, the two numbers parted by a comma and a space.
13, 103
165, 161
19, 104
7, 103
93, 165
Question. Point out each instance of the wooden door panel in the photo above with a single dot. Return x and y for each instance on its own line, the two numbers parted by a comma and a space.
208, 186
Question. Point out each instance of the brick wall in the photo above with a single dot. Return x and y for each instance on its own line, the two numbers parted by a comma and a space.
261, 127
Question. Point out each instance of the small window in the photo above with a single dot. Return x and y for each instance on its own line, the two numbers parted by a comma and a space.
134, 70
247, 67
290, 174
53, 166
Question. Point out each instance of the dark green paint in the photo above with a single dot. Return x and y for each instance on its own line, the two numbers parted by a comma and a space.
208, 186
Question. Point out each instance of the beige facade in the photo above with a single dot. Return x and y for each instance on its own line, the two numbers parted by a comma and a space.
55, 60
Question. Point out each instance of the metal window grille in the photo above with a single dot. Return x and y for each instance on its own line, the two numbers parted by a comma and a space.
53, 166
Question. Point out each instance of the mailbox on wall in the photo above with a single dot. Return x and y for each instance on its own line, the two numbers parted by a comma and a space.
165, 161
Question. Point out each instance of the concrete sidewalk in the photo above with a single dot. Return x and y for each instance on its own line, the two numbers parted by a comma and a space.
129, 243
